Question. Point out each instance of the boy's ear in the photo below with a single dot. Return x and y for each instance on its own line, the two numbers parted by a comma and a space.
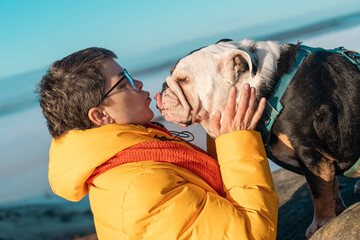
99, 116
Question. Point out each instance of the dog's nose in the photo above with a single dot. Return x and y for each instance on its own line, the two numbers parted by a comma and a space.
164, 87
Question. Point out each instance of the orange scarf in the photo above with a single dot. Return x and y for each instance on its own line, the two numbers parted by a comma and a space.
196, 161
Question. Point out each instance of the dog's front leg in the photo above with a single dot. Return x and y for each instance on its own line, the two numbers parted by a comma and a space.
325, 193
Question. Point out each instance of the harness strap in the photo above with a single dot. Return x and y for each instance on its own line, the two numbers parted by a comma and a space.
273, 105
352, 56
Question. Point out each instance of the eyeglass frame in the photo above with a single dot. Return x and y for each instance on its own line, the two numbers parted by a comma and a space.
128, 77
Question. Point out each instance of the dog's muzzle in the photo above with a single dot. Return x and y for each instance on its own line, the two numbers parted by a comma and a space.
171, 108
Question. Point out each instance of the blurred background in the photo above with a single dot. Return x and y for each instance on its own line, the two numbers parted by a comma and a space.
148, 37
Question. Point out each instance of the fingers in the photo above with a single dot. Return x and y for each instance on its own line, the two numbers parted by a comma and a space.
230, 109
250, 113
242, 106
215, 123
258, 113
248, 107
245, 117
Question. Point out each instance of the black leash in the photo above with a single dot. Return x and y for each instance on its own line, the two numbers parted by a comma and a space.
182, 135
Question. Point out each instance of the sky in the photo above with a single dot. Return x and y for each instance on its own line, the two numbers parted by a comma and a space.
35, 33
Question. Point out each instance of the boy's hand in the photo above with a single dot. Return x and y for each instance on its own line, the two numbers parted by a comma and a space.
242, 118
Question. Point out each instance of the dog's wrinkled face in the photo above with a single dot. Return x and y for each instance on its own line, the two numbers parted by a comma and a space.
200, 82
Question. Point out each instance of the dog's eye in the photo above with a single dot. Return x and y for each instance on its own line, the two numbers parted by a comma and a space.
181, 80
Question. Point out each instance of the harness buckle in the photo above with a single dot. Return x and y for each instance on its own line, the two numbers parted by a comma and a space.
351, 55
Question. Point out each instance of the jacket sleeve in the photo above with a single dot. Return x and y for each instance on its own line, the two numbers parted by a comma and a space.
166, 203
247, 181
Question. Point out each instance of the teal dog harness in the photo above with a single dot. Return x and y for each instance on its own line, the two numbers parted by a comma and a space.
274, 106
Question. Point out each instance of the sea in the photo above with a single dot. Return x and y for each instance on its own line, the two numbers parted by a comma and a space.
25, 141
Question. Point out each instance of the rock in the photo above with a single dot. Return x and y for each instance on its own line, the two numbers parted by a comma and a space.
88, 237
345, 226
295, 205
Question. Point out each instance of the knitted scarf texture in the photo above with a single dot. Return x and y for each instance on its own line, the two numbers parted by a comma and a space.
196, 161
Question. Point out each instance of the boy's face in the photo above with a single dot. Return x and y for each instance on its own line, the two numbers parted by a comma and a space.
125, 104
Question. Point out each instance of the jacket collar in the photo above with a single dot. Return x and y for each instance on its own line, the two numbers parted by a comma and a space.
73, 157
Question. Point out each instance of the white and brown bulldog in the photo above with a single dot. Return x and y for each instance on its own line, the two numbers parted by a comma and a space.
317, 132
199, 83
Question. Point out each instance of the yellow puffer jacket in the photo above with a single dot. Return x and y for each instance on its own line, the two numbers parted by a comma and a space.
157, 200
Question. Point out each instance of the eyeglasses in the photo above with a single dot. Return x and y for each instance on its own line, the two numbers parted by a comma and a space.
128, 77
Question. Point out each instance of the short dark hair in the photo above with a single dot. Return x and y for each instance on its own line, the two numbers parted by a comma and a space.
71, 87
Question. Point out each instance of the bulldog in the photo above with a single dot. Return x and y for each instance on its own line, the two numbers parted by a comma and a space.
317, 132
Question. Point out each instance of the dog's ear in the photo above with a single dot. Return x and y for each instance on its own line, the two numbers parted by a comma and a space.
238, 62
224, 40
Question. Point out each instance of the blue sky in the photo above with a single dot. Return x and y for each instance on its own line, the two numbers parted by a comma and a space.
35, 33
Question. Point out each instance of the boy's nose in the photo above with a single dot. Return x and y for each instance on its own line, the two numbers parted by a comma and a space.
138, 84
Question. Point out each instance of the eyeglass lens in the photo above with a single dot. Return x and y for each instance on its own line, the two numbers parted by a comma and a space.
129, 78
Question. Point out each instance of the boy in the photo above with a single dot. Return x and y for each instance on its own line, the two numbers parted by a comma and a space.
144, 183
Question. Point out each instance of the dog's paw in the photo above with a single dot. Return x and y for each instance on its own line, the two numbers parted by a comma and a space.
315, 225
